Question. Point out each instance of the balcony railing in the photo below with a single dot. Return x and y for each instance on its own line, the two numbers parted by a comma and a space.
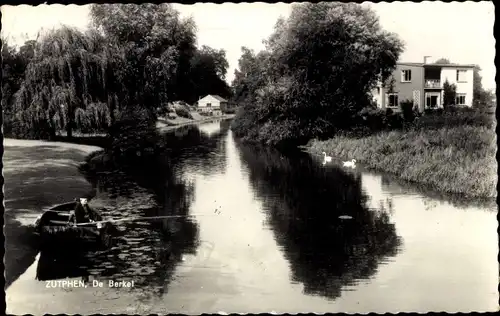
433, 83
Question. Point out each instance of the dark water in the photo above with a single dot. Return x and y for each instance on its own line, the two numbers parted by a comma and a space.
262, 233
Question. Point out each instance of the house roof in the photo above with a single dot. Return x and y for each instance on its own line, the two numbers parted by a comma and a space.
437, 65
216, 97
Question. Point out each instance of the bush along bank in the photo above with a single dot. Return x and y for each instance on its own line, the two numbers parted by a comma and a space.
456, 159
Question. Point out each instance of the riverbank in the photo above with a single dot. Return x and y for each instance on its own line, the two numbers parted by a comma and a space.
459, 160
171, 124
37, 174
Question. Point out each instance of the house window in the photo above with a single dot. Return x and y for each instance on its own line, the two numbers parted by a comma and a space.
461, 75
209, 105
460, 99
406, 75
378, 90
393, 100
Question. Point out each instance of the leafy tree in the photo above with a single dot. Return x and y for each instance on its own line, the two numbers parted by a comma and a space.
322, 63
207, 75
133, 60
249, 77
449, 94
214, 60
64, 83
442, 61
156, 44
481, 98
390, 84
14, 63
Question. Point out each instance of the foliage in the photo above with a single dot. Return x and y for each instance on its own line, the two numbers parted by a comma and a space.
449, 94
249, 77
133, 134
481, 98
373, 120
14, 63
182, 110
131, 56
390, 83
442, 61
316, 73
455, 117
408, 110
156, 44
207, 74
64, 84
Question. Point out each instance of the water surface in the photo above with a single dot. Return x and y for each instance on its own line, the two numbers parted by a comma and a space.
263, 234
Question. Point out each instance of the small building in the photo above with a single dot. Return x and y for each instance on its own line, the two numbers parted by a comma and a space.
212, 104
423, 84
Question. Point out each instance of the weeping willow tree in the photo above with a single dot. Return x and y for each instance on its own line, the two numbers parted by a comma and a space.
69, 84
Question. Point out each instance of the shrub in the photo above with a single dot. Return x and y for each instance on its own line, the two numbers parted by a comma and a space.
407, 110
375, 120
162, 110
41, 130
182, 110
456, 117
449, 94
134, 133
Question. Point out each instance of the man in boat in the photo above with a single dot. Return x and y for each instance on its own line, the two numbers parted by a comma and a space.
82, 212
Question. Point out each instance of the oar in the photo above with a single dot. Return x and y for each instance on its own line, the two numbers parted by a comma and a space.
131, 219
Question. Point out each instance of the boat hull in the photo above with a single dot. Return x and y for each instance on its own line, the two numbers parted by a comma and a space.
54, 230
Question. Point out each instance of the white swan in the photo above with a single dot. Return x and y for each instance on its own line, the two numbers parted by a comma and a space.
351, 163
326, 158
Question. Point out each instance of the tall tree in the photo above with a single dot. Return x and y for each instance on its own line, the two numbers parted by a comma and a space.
323, 62
157, 44
12, 71
481, 98
249, 77
63, 84
207, 74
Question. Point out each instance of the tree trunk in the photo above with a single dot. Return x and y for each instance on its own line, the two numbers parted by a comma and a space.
69, 130
52, 134
69, 125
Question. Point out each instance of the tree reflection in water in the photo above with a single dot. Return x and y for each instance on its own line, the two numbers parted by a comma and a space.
148, 251
304, 202
188, 145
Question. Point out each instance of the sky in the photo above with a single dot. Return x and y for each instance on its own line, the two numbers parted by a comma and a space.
459, 31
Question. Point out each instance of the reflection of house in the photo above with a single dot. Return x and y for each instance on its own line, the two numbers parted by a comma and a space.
423, 83
211, 103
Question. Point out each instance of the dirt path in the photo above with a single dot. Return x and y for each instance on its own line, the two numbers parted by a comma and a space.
37, 175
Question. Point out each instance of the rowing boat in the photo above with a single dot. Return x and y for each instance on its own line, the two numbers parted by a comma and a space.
55, 229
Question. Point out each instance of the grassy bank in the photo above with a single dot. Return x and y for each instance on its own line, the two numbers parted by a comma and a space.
459, 159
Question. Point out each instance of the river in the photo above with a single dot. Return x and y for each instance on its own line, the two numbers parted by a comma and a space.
264, 234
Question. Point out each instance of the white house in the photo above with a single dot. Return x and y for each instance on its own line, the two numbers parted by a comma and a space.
211, 103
